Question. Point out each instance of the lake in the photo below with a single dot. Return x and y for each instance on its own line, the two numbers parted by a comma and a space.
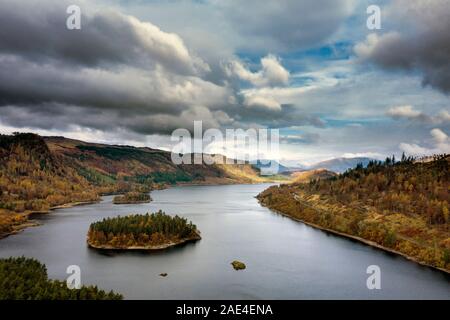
285, 259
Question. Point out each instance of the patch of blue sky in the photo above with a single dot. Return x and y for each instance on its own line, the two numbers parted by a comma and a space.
300, 81
300, 60
334, 51
339, 123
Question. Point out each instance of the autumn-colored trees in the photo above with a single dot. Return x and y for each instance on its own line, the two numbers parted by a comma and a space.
31, 179
132, 197
140, 230
407, 187
400, 205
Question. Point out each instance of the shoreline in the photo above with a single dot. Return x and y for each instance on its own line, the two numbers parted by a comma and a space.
132, 202
356, 238
33, 223
19, 228
69, 205
146, 248
221, 184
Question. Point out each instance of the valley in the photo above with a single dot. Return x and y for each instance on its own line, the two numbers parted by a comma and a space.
38, 174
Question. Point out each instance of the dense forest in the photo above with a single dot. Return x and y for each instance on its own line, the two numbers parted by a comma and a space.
141, 230
26, 279
402, 205
132, 197
407, 187
31, 179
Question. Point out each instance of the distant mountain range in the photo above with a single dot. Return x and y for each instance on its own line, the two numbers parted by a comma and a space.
340, 165
271, 166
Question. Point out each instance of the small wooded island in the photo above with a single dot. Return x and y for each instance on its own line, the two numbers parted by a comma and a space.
132, 197
153, 231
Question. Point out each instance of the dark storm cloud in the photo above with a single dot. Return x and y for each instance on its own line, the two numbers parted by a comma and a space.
37, 30
287, 116
116, 72
421, 41
62, 117
25, 82
55, 116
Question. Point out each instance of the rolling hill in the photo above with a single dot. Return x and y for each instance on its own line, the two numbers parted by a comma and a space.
104, 165
309, 175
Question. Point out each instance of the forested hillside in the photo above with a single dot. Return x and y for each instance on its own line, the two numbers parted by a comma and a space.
105, 165
309, 175
401, 205
33, 179
407, 187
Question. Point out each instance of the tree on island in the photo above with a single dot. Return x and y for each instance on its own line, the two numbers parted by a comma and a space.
141, 230
132, 197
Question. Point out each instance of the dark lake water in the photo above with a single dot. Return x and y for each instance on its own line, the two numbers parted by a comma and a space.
285, 259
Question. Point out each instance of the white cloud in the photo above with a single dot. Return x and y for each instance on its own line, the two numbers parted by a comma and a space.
374, 155
414, 149
164, 46
444, 116
439, 136
255, 101
272, 73
408, 112
439, 144
403, 112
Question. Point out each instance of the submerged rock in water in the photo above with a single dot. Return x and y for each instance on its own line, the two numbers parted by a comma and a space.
238, 265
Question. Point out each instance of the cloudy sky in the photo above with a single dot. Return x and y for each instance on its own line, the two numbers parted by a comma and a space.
139, 69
